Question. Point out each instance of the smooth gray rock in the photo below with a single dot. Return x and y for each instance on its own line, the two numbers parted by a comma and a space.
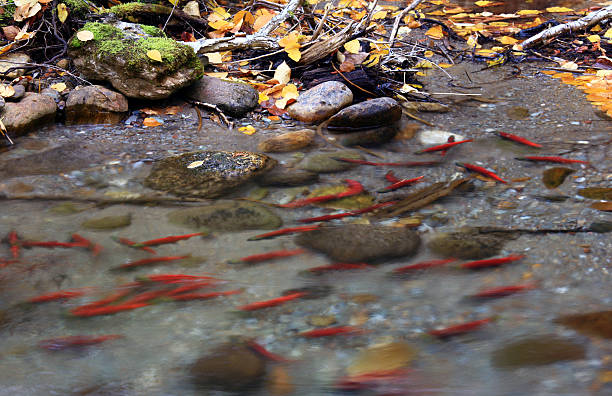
368, 114
320, 102
232, 97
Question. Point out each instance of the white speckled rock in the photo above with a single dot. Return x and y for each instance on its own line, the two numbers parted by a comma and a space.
321, 102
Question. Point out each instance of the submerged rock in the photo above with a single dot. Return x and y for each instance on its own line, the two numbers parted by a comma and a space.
230, 367
287, 177
554, 177
227, 216
382, 357
361, 242
232, 97
537, 351
369, 114
469, 244
32, 111
592, 323
121, 55
370, 137
95, 104
320, 102
108, 222
596, 193
289, 141
207, 174
325, 162
432, 137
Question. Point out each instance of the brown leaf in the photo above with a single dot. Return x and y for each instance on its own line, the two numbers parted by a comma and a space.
603, 206
10, 32
347, 66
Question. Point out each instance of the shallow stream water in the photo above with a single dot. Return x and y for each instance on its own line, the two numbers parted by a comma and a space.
160, 342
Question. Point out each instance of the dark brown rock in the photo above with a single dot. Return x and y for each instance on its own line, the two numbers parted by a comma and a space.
320, 102
361, 242
207, 174
469, 244
289, 141
369, 114
31, 112
537, 351
233, 97
230, 367
592, 323
95, 104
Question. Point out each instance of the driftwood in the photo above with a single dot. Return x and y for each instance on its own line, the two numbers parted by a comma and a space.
583, 23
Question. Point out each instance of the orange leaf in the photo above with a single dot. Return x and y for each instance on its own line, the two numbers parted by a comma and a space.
435, 32
150, 122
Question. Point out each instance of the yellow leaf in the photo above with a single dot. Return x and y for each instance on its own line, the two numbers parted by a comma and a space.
262, 97
528, 12
507, 40
608, 33
59, 87
282, 74
483, 3
155, 55
262, 16
195, 164
290, 92
352, 46
281, 103
221, 25
294, 54
217, 74
221, 12
6, 91
435, 32
472, 41
424, 65
558, 9
247, 130
291, 45
150, 122
85, 35
569, 65
214, 57
380, 15
428, 54
445, 65
62, 12
173, 2
593, 38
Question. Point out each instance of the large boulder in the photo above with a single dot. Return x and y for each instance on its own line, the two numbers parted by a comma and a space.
207, 174
232, 97
32, 111
95, 105
121, 55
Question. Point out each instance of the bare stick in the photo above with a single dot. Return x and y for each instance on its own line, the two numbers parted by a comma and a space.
398, 20
213, 107
585, 22
320, 26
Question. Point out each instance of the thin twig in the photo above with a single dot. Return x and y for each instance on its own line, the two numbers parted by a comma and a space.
399, 18
210, 106
350, 82
316, 33
407, 113
199, 113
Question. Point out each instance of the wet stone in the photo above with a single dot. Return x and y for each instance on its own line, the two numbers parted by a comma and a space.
554, 177
207, 174
108, 222
232, 97
596, 193
20, 92
593, 323
95, 104
227, 216
325, 162
537, 351
429, 107
282, 176
320, 102
31, 112
286, 142
361, 242
382, 357
369, 114
230, 367
371, 137
517, 113
601, 226
469, 245
321, 320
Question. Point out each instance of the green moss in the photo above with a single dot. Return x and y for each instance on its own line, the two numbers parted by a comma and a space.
101, 32
6, 14
77, 8
152, 31
131, 11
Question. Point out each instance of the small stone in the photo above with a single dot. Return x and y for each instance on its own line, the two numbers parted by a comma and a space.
95, 104
382, 357
325, 162
369, 114
596, 193
282, 176
227, 216
554, 177
320, 102
20, 92
517, 113
108, 222
592, 323
469, 245
363, 298
63, 63
232, 97
14, 60
207, 174
432, 137
52, 93
31, 112
321, 320
429, 107
354, 243
289, 141
230, 367
537, 351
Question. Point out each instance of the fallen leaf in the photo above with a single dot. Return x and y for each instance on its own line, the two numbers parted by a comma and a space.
195, 164
247, 130
528, 12
214, 57
282, 74
594, 38
347, 66
291, 45
435, 32
155, 55
59, 87
379, 15
507, 40
6, 91
85, 35
151, 122
559, 9
352, 46
262, 16
26, 9
62, 12
290, 91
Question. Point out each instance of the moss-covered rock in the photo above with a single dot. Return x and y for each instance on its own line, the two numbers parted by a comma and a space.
118, 54
76, 8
